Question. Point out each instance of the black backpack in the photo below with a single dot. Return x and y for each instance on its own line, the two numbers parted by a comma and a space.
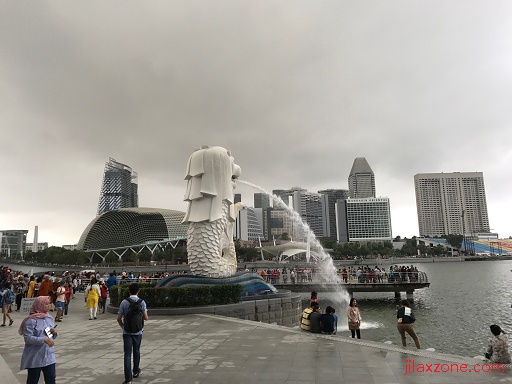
134, 317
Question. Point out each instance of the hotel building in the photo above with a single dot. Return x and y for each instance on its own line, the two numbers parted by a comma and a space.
451, 203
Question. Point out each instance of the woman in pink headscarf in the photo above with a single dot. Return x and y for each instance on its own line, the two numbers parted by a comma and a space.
39, 332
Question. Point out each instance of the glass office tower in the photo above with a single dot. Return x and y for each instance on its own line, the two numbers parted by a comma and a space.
119, 187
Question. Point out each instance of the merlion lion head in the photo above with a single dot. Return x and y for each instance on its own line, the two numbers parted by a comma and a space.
211, 174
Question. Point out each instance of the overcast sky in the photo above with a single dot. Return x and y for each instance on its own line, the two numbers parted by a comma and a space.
295, 89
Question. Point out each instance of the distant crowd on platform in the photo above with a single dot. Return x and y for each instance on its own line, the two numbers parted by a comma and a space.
351, 274
395, 274
293, 275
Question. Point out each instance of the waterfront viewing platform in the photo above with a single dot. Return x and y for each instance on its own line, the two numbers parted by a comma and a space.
207, 349
363, 284
397, 288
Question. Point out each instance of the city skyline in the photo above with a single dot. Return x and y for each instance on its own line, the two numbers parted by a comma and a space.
295, 91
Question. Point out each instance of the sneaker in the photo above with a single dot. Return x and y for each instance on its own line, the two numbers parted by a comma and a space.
3, 325
136, 374
10, 322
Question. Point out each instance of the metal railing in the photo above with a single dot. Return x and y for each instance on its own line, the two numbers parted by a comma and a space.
363, 278
314, 278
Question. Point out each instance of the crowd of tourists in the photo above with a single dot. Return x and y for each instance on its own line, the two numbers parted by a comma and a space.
350, 274
367, 274
286, 275
52, 293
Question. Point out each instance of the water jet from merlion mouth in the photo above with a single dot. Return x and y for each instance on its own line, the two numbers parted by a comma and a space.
328, 271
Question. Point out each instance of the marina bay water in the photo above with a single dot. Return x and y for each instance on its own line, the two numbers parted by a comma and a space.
453, 315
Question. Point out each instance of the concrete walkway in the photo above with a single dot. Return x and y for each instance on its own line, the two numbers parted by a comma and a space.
214, 349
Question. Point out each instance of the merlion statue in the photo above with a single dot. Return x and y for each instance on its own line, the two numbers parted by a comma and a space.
211, 213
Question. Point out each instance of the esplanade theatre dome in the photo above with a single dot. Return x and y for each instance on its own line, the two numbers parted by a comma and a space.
130, 226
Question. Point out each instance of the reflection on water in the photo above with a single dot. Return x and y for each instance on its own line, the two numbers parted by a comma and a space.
453, 315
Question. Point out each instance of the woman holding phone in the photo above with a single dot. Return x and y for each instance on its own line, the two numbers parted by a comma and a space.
38, 330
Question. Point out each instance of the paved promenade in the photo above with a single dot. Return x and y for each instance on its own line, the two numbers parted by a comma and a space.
212, 349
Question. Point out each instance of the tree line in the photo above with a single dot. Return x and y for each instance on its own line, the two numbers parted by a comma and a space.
249, 253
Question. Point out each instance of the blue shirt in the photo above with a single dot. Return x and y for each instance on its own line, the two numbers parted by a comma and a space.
37, 353
111, 281
123, 309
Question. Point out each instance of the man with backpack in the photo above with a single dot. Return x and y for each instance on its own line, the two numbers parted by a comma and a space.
7, 298
131, 315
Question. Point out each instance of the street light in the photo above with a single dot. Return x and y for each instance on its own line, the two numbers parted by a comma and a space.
464, 234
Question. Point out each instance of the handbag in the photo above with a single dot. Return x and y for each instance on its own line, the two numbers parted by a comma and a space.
353, 325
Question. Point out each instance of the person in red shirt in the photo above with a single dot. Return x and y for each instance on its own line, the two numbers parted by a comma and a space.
68, 296
104, 294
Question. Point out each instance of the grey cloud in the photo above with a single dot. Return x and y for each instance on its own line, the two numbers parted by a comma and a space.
296, 90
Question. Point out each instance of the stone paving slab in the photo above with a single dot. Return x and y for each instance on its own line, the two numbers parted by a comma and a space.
211, 349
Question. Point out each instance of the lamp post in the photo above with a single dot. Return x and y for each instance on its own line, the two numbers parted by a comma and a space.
464, 234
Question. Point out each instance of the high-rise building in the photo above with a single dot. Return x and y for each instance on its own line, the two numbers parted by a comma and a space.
361, 181
283, 194
119, 187
333, 195
364, 219
312, 208
276, 223
451, 203
261, 200
13, 242
40, 247
247, 226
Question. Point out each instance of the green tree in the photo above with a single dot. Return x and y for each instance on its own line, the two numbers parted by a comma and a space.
135, 257
284, 236
145, 256
248, 254
454, 240
439, 250
111, 258
180, 255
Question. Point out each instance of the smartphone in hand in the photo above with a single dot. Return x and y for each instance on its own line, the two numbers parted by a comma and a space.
48, 332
